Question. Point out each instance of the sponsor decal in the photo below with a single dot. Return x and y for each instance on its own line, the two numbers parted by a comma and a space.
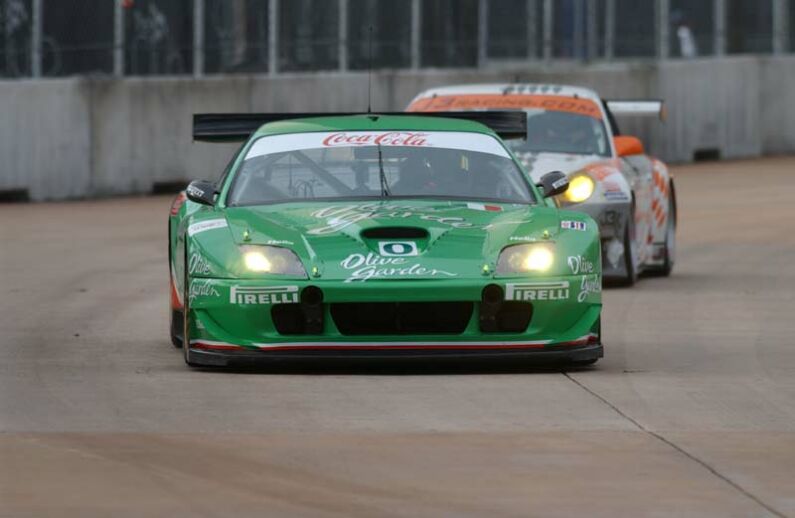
615, 251
615, 195
263, 295
589, 284
573, 225
202, 288
513, 100
203, 226
612, 191
340, 217
548, 290
198, 265
600, 171
483, 207
371, 266
521, 238
394, 138
459, 140
397, 248
580, 265
279, 242
194, 191
560, 183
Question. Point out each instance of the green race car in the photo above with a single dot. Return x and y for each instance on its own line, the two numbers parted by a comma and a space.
369, 235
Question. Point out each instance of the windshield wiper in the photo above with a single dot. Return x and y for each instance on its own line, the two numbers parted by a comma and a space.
382, 175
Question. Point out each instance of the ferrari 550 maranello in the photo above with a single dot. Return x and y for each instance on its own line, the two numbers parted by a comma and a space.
370, 235
630, 194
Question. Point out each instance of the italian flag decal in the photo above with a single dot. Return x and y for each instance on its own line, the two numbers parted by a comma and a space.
482, 207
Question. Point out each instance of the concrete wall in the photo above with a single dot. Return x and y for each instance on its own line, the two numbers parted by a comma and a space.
100, 136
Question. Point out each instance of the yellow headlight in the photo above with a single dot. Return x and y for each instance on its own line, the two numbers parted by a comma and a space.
580, 189
257, 262
539, 259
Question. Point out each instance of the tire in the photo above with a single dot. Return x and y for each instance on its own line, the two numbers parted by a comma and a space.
669, 253
186, 314
176, 328
630, 269
590, 361
175, 316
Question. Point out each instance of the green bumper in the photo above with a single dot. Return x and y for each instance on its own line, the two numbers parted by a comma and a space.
237, 315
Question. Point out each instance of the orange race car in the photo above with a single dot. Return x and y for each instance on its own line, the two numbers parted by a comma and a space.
630, 194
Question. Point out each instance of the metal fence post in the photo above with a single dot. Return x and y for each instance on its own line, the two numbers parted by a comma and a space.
273, 37
719, 15
35, 39
416, 32
610, 29
577, 41
780, 26
198, 38
592, 51
342, 35
483, 31
532, 9
547, 30
663, 11
118, 39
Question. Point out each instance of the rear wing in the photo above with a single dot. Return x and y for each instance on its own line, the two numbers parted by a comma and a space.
637, 107
237, 127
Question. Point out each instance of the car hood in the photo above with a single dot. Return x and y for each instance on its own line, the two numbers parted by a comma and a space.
393, 238
539, 164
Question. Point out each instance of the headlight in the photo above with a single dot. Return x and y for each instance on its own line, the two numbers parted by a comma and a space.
272, 259
581, 188
535, 257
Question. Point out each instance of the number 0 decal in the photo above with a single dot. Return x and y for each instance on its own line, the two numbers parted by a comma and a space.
397, 248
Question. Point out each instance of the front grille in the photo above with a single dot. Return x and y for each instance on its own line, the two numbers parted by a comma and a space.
401, 318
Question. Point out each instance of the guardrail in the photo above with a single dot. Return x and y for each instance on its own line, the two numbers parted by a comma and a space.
84, 137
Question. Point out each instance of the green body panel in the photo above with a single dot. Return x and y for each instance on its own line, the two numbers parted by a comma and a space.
454, 262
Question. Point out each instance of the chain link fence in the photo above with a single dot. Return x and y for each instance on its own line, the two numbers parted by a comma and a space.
52, 38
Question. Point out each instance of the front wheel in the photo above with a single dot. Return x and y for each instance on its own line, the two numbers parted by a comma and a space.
589, 361
186, 314
176, 328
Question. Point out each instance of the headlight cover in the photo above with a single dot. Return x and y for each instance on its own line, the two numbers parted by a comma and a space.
581, 188
272, 260
531, 257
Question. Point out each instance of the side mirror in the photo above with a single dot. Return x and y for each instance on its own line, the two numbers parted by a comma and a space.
201, 191
627, 146
553, 183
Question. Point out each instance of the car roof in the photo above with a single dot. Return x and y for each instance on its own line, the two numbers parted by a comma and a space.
372, 122
511, 88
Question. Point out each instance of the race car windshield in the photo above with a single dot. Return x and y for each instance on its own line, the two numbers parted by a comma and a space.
562, 132
377, 164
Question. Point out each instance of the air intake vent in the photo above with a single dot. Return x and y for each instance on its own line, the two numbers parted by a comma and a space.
394, 233
401, 318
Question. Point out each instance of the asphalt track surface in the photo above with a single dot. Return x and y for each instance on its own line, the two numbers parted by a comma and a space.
691, 413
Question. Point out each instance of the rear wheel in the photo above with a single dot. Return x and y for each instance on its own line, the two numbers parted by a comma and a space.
669, 248
630, 265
